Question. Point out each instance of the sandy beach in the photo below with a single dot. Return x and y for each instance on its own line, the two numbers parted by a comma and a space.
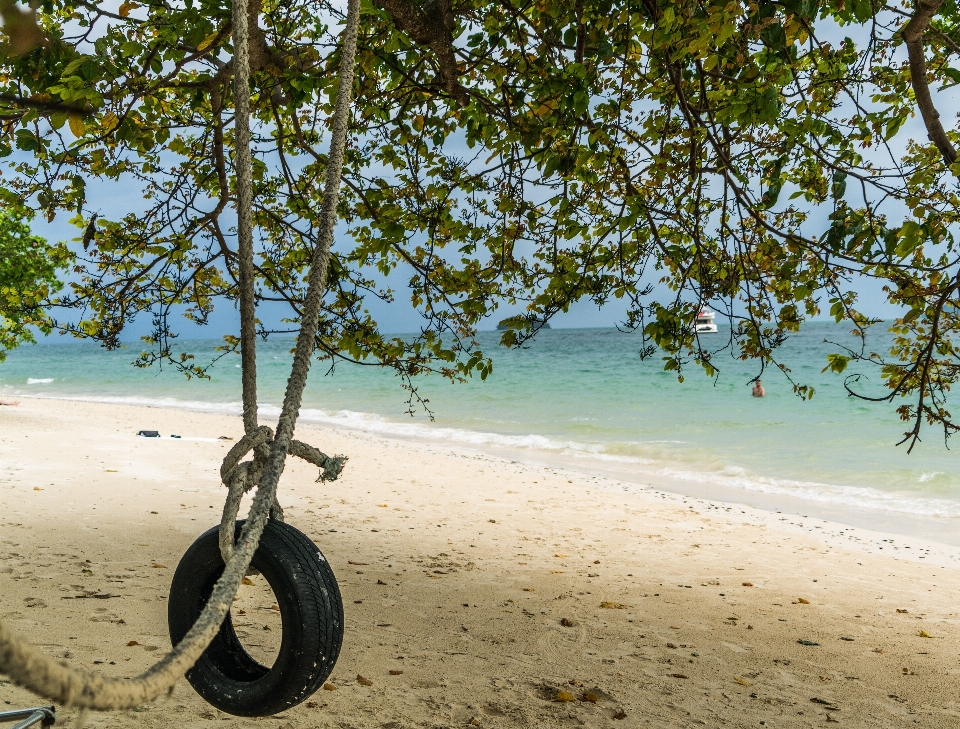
477, 590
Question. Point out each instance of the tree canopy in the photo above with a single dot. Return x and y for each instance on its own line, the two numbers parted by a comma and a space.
28, 278
758, 158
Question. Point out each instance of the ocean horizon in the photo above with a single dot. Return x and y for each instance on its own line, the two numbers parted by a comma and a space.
583, 399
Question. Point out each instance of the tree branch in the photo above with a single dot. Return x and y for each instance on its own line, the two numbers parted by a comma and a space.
913, 36
432, 26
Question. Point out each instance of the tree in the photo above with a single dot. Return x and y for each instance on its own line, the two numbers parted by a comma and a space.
755, 157
28, 281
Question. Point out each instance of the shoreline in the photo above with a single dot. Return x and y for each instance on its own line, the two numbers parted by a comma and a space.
475, 589
909, 531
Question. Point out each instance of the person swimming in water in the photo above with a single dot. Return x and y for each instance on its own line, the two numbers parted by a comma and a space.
758, 390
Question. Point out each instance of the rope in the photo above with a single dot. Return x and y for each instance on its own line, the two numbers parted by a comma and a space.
239, 478
23, 662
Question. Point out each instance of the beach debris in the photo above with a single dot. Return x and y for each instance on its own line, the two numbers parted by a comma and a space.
329, 687
364, 681
679, 675
492, 521
312, 704
590, 696
749, 627
807, 642
741, 681
564, 696
359, 564
567, 622
528, 589
275, 607
878, 650
611, 605
148, 434
596, 561
561, 556
474, 721
394, 672
382, 506
924, 634
381, 582
843, 637
224, 437
671, 645
247, 581
157, 565
620, 715
803, 601
110, 470
674, 627
823, 702
902, 611
747, 584
831, 720
132, 643
37, 488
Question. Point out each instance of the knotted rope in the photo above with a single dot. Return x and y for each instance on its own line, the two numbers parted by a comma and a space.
239, 478
22, 661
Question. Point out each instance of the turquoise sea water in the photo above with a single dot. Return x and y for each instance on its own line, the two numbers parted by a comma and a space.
582, 398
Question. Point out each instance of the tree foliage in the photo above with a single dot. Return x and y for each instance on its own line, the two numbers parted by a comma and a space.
28, 280
760, 158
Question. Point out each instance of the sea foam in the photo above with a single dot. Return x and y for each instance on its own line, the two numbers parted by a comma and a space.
646, 459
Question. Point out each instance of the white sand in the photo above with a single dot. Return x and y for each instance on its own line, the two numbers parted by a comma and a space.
470, 563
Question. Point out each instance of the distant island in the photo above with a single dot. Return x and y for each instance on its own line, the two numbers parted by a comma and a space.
503, 326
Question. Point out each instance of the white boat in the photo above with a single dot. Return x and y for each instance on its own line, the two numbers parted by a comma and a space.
705, 322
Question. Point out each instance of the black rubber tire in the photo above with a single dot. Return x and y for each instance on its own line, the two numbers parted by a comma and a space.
310, 607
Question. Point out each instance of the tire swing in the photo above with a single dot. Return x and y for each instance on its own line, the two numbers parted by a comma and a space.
226, 676
302, 580
206, 648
